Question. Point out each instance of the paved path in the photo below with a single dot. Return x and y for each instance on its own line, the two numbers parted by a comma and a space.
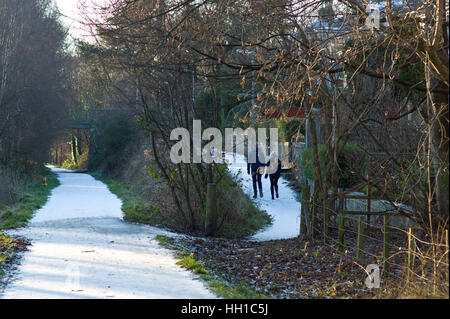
285, 210
81, 248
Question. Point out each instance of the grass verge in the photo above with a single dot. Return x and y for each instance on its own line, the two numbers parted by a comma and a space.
9, 250
138, 209
35, 197
18, 215
135, 208
227, 288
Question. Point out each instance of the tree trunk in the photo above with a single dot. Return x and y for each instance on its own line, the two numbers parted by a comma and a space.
74, 149
440, 145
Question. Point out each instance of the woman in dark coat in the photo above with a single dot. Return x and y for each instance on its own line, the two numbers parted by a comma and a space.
274, 171
256, 168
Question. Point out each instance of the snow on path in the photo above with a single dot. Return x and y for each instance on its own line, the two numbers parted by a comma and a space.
82, 248
285, 210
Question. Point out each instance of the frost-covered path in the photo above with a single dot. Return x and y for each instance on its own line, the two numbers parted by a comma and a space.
285, 210
81, 248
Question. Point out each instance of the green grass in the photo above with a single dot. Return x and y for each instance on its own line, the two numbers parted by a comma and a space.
135, 208
188, 262
5, 254
35, 197
9, 254
252, 221
6, 250
18, 215
215, 281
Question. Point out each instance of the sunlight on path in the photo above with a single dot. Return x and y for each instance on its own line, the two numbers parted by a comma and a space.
81, 248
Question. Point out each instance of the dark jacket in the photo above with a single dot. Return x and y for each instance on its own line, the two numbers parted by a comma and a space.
278, 171
257, 164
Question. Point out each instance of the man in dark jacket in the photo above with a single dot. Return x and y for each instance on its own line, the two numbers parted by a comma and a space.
256, 167
275, 171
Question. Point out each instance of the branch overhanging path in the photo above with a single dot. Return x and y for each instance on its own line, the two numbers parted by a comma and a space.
82, 248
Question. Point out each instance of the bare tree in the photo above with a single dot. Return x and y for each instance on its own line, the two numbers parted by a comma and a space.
34, 85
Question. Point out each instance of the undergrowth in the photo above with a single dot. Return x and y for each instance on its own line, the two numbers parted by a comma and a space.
139, 209
215, 281
18, 214
135, 208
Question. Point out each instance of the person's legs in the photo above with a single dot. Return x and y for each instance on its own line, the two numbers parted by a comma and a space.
272, 185
275, 184
259, 176
255, 193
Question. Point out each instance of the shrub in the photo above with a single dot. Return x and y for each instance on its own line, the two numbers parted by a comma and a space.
35, 196
352, 163
83, 161
110, 138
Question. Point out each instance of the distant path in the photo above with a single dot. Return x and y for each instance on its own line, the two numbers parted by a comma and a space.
284, 210
81, 248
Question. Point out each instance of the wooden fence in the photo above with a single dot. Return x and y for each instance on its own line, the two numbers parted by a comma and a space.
309, 215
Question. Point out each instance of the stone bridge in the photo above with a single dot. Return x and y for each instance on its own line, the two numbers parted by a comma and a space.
86, 120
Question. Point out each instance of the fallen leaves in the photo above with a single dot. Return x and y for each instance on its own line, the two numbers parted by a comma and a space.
9, 249
290, 268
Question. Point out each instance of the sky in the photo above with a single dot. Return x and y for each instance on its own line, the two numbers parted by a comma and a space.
69, 8
71, 15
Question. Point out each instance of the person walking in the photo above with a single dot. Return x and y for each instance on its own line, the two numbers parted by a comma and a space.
274, 171
255, 166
